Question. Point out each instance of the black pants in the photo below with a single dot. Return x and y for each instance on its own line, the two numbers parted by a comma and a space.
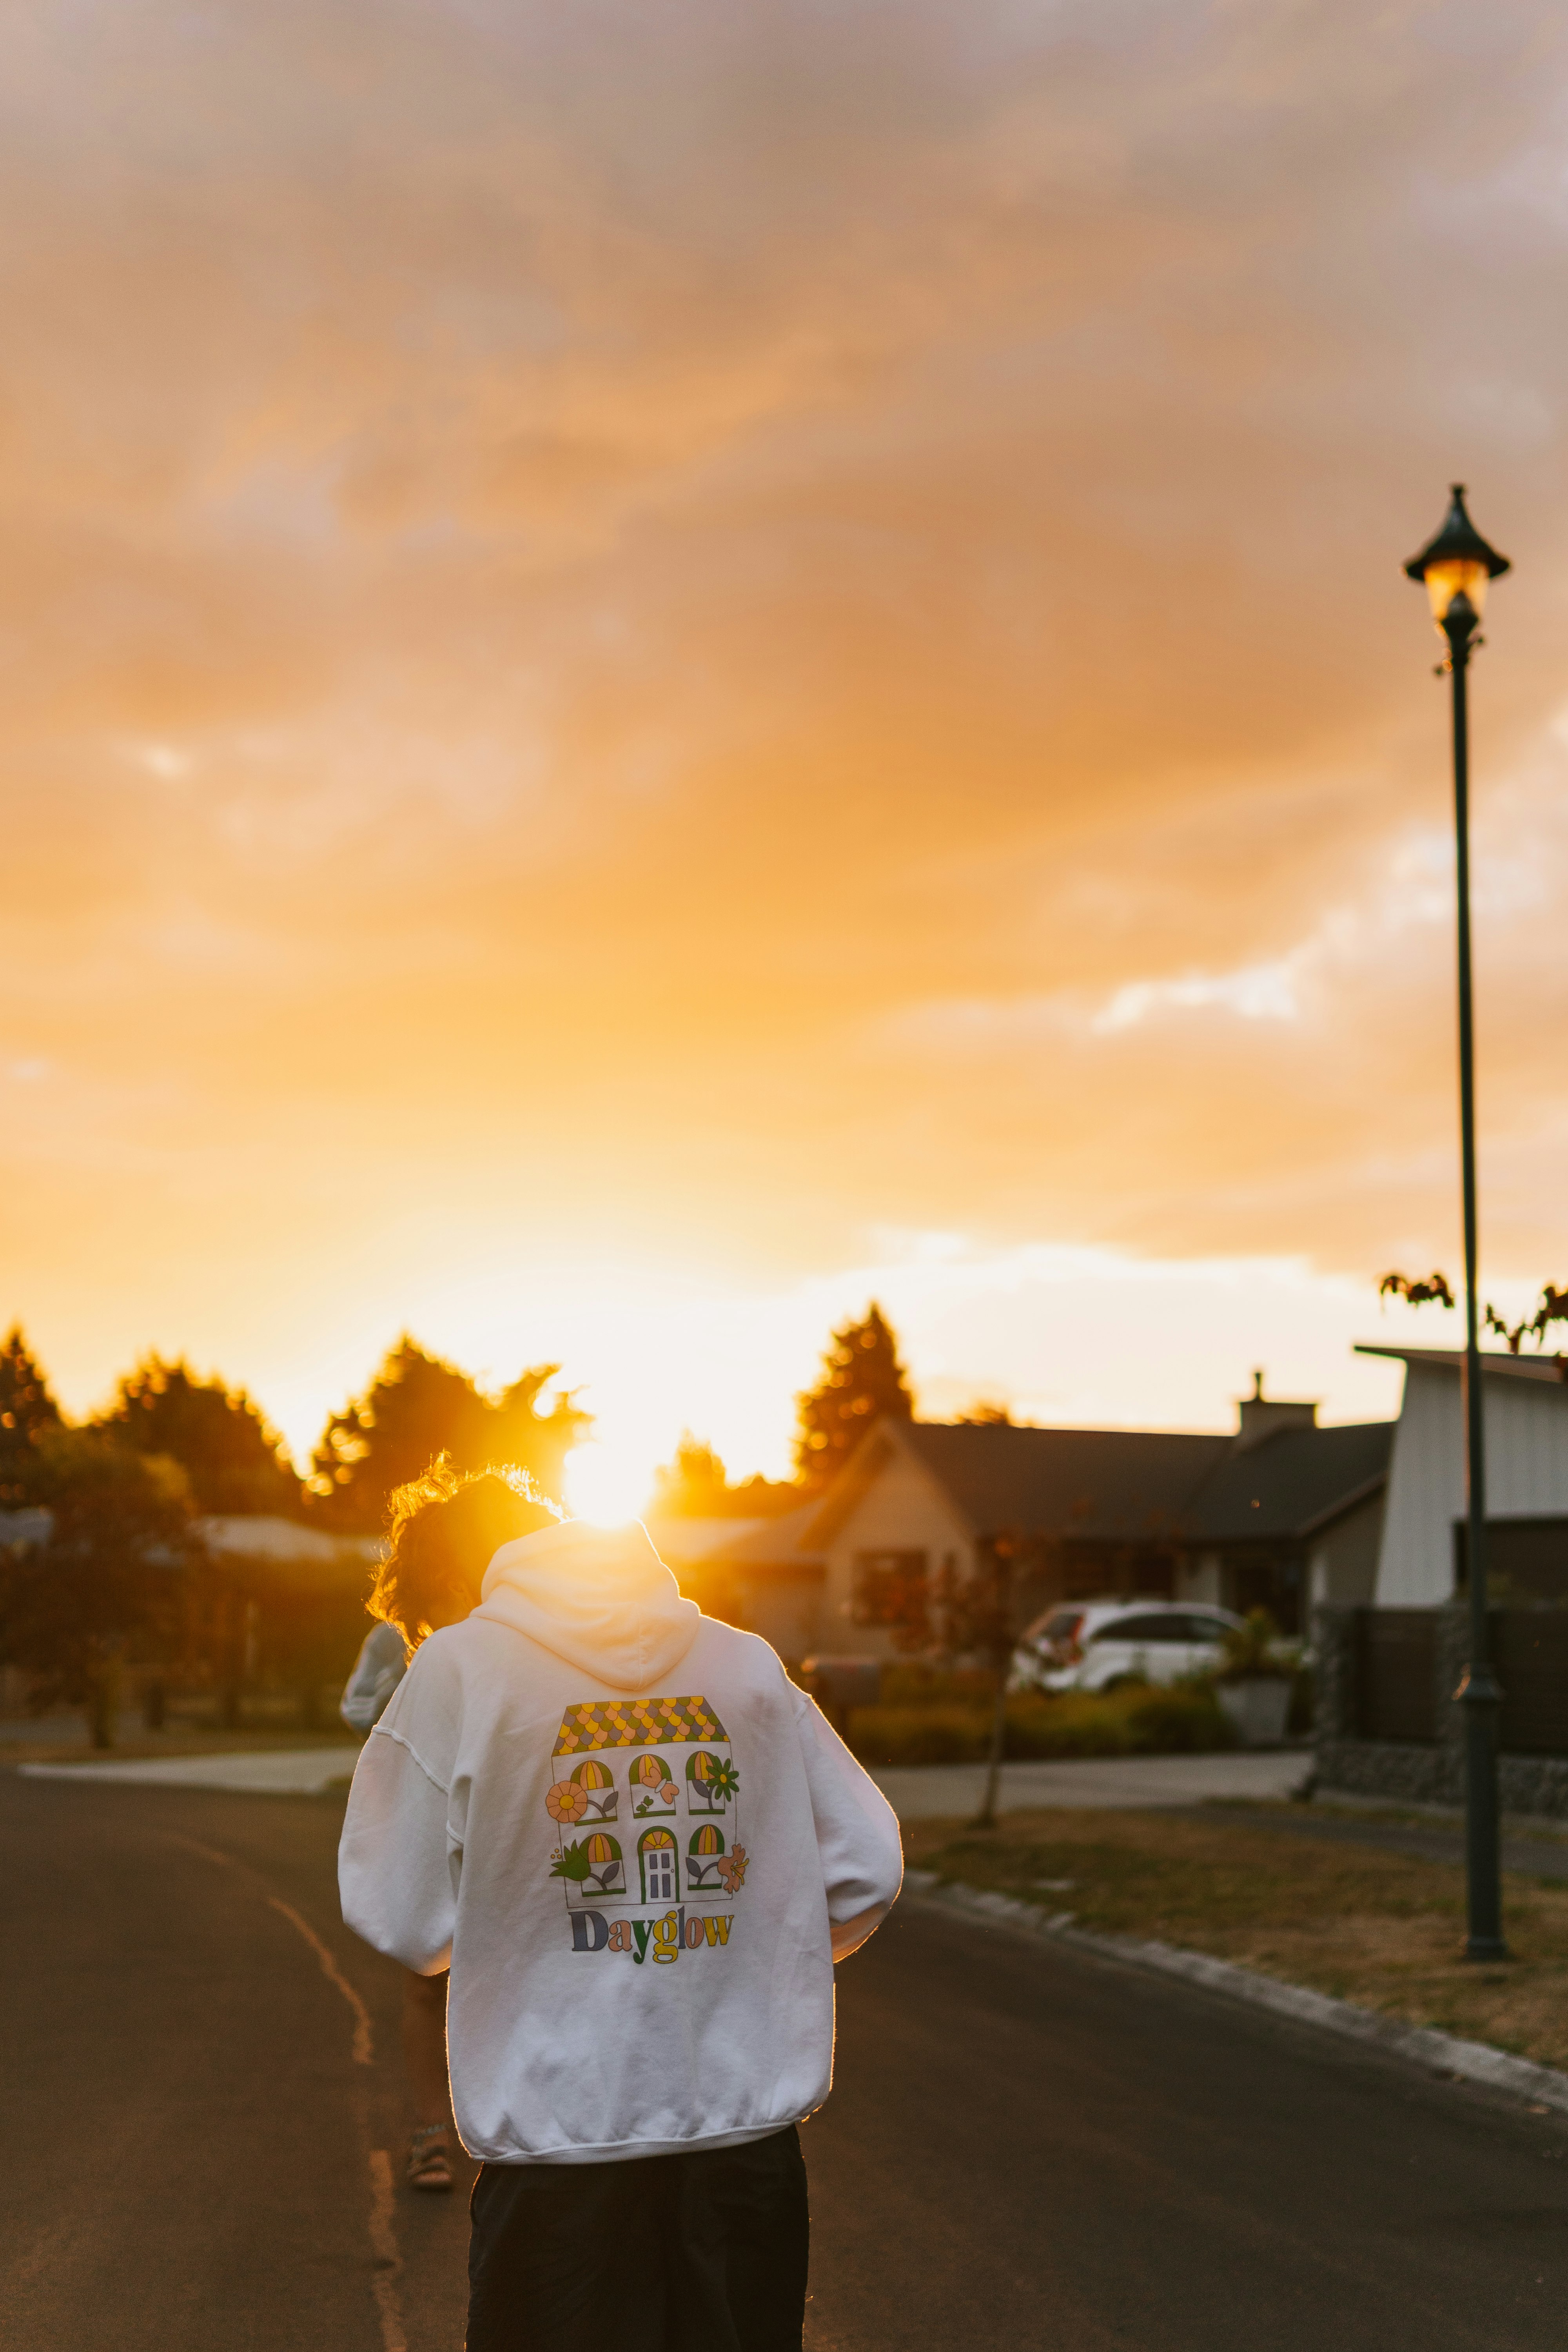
704, 2251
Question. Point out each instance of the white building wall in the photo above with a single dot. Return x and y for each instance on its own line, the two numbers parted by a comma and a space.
903, 1509
1527, 1473
786, 1610
1342, 1563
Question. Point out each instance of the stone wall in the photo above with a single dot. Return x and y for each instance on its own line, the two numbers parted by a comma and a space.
1405, 1772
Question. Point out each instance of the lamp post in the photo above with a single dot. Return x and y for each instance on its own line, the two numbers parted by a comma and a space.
1457, 567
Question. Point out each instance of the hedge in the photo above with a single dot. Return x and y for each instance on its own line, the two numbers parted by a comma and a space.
1152, 1720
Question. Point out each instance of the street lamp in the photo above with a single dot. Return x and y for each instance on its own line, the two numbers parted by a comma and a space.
1456, 568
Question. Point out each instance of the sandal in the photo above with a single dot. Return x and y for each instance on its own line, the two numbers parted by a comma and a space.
429, 2161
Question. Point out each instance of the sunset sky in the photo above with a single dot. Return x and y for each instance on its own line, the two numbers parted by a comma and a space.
667, 664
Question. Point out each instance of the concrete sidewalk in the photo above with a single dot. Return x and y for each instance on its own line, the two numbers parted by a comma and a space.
916, 1792
273, 1772
921, 1792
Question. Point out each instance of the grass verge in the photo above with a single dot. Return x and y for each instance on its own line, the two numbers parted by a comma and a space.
1381, 1929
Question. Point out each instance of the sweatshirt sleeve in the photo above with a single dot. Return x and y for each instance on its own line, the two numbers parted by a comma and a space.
401, 1851
856, 1830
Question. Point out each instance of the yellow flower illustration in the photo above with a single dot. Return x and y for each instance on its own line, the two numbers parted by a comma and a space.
564, 1801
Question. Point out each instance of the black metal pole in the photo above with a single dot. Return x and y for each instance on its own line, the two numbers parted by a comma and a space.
1479, 1691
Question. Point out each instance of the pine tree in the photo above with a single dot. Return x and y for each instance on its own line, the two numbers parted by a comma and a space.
27, 1411
862, 1381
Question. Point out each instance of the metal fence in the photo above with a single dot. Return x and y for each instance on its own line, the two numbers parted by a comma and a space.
1397, 1674
1398, 1678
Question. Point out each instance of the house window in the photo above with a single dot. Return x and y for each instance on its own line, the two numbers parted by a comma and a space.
603, 1876
705, 1783
888, 1588
656, 1851
598, 1783
652, 1787
704, 1860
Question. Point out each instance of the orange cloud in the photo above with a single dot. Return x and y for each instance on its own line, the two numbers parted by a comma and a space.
697, 632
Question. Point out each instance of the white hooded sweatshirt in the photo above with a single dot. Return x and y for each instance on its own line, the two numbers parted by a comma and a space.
630, 1837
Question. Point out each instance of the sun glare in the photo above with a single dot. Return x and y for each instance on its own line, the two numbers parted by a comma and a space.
606, 1486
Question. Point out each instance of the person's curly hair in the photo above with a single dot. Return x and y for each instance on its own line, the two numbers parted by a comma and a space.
443, 1527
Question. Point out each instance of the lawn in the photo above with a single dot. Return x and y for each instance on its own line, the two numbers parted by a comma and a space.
1378, 1928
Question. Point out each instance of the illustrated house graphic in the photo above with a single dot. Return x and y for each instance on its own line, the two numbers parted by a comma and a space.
670, 1756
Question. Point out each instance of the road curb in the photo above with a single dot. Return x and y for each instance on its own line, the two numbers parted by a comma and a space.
1422, 2045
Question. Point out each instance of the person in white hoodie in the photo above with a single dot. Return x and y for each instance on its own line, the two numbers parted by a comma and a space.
640, 1850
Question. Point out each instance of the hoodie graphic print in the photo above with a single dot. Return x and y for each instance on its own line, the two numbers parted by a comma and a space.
552, 1805
682, 1773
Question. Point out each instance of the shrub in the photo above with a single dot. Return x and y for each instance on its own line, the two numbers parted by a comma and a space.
917, 1735
1140, 1721
1181, 1719
1255, 1653
913, 1682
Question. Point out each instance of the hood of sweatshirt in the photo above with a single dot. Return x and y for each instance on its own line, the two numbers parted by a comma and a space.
601, 1597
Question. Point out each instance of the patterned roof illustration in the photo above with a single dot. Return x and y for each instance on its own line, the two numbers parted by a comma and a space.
635, 1723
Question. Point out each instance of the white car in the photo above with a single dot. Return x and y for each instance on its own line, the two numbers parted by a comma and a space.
1094, 1646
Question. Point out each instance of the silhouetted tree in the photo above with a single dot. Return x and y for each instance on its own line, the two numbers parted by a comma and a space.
27, 1411
234, 1461
417, 1407
697, 1485
969, 1612
977, 1615
862, 1379
1551, 1308
106, 1582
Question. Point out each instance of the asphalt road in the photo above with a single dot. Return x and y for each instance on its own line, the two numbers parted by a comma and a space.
204, 2122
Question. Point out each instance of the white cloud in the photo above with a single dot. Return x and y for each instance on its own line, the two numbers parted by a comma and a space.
1260, 992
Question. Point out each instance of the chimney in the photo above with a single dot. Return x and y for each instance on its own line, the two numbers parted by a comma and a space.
1261, 1416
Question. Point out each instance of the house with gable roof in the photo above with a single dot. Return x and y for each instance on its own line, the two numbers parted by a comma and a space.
643, 1797
1279, 1513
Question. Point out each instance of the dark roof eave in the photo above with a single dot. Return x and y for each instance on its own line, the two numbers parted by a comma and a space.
1552, 1369
1345, 1504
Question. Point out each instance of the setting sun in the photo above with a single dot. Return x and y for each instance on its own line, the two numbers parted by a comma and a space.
606, 1484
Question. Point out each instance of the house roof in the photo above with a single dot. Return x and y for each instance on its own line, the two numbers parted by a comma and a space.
1105, 1484
785, 1541
1288, 1483
1553, 1369
1118, 1485
685, 1541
